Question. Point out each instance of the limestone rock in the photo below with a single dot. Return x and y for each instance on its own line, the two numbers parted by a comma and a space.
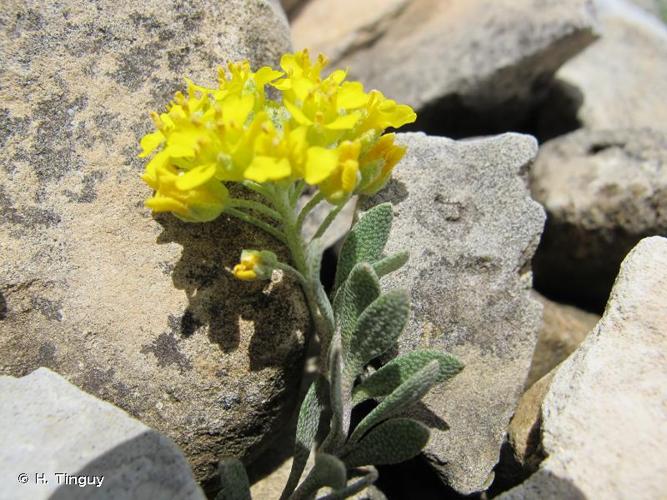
603, 418
49, 425
461, 55
656, 7
464, 212
564, 327
603, 191
138, 311
292, 7
338, 228
621, 79
524, 429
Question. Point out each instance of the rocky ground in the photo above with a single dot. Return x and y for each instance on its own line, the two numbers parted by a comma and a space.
533, 200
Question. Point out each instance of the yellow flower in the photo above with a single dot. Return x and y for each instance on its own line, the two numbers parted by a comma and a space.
323, 130
382, 113
255, 265
378, 163
345, 175
193, 196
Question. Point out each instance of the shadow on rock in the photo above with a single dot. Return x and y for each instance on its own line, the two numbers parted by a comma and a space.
551, 110
219, 301
145, 466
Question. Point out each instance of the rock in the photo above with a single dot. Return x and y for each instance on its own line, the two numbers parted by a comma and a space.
140, 312
564, 327
338, 228
621, 79
49, 425
292, 7
464, 212
656, 7
524, 429
603, 191
603, 418
452, 60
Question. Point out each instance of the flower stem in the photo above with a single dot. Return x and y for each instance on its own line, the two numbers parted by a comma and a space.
256, 222
254, 205
307, 208
330, 218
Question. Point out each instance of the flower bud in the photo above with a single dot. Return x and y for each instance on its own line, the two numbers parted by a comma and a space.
255, 265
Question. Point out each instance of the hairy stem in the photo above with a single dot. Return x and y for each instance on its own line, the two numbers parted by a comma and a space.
307, 208
256, 222
330, 218
253, 205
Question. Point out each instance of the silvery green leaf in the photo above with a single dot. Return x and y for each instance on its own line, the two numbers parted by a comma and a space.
377, 330
390, 263
327, 471
234, 480
314, 257
365, 241
306, 430
357, 485
337, 432
404, 395
360, 289
391, 442
399, 369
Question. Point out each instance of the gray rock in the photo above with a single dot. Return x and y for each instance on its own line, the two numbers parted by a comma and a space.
621, 79
474, 55
138, 311
603, 418
464, 212
564, 327
338, 228
656, 7
603, 191
50, 428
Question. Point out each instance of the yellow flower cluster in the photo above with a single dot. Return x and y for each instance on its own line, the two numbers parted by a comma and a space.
325, 131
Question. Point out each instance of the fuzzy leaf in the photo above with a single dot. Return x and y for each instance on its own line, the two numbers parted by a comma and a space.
337, 434
390, 263
360, 289
306, 430
327, 471
404, 395
314, 257
378, 328
399, 369
234, 480
365, 241
391, 442
355, 486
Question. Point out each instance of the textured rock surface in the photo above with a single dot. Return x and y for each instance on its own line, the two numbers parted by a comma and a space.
140, 312
603, 419
49, 425
523, 434
471, 54
463, 211
621, 79
603, 191
564, 327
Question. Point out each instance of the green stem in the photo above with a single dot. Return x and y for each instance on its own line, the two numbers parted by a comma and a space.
259, 189
316, 297
292, 272
297, 189
330, 218
256, 222
253, 205
307, 208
